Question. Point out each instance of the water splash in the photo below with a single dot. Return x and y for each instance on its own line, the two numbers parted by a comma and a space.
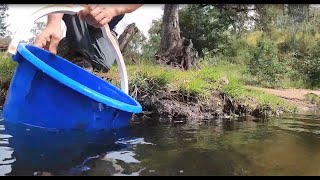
125, 156
134, 141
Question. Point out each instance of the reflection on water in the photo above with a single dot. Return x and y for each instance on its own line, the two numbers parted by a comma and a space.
285, 146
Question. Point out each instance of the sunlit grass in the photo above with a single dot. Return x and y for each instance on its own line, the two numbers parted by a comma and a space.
199, 84
7, 67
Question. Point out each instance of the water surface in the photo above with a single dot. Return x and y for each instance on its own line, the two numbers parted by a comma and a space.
288, 145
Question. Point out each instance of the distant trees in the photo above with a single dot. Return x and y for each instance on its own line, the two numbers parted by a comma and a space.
3, 25
37, 28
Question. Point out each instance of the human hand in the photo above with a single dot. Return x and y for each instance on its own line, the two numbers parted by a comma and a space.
49, 38
98, 15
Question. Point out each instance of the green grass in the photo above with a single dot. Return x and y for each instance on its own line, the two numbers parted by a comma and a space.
238, 91
199, 84
288, 80
312, 98
195, 83
248, 96
7, 67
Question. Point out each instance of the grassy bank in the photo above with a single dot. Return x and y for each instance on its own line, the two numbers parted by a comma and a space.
186, 86
198, 85
7, 67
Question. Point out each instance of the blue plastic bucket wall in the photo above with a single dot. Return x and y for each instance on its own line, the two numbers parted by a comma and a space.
37, 149
50, 92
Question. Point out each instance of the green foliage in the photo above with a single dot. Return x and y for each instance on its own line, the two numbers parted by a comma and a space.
205, 26
310, 66
197, 88
277, 45
149, 83
267, 16
293, 16
137, 42
152, 45
265, 64
7, 68
149, 79
135, 51
238, 51
312, 98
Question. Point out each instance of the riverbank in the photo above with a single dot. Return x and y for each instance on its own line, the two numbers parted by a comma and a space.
171, 94
214, 91
304, 99
7, 67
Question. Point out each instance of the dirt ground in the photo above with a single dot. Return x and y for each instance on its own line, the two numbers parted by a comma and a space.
293, 96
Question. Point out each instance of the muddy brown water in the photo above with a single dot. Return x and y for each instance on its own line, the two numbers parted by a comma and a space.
289, 145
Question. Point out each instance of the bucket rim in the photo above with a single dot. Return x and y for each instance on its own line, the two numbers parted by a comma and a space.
55, 74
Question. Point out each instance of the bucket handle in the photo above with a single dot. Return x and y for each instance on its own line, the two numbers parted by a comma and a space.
71, 9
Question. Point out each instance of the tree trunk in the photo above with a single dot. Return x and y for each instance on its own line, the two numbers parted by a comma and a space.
170, 28
126, 37
175, 50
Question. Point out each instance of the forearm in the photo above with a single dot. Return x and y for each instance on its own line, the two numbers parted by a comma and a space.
54, 19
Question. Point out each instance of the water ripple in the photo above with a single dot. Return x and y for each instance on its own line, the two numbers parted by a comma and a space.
134, 141
5, 169
4, 142
6, 156
5, 136
125, 156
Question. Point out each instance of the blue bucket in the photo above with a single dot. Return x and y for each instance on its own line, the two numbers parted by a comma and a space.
37, 149
48, 91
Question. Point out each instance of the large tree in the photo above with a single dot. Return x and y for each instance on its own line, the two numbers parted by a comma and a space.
3, 16
127, 35
175, 50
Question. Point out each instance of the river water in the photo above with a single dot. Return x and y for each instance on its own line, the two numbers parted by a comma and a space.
289, 145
